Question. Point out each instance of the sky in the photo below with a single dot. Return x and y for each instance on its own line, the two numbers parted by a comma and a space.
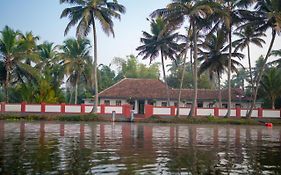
42, 17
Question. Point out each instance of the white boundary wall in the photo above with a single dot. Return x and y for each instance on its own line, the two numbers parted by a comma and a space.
13, 107
271, 114
161, 111
205, 112
110, 109
183, 111
72, 108
53, 108
33, 108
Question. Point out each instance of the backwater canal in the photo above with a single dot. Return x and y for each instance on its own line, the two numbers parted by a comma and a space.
129, 148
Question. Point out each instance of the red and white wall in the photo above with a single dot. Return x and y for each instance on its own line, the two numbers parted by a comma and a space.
126, 109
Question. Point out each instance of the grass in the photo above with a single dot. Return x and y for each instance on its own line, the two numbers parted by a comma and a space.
153, 119
212, 120
86, 117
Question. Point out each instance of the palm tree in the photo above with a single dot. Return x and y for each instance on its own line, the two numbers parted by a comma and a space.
76, 58
86, 13
271, 85
162, 40
267, 16
51, 65
176, 12
246, 36
15, 51
215, 58
228, 15
8, 50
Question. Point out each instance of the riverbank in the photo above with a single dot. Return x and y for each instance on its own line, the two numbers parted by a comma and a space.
153, 119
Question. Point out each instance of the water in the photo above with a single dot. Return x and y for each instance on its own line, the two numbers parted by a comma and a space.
125, 148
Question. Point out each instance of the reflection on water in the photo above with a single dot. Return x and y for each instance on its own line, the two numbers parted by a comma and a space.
125, 148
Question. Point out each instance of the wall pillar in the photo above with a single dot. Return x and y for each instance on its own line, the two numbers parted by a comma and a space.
2, 106
148, 111
238, 112
83, 108
62, 108
260, 112
43, 107
216, 112
23, 106
126, 110
102, 108
173, 110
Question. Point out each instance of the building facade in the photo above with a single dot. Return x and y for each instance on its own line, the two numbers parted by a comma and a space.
139, 92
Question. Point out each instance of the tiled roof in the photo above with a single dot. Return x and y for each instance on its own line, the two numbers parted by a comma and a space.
156, 89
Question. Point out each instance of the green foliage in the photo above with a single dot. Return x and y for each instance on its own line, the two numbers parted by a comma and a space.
271, 85
106, 77
131, 68
174, 78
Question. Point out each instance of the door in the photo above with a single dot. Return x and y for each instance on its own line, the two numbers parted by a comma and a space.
141, 107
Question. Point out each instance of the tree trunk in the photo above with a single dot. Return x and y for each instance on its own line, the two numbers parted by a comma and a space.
194, 103
7, 87
257, 82
191, 65
95, 67
181, 83
165, 79
251, 75
7, 65
76, 90
71, 94
219, 87
273, 103
229, 72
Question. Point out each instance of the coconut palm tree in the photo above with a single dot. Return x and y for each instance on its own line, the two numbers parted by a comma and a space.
86, 13
51, 65
247, 36
271, 85
215, 58
8, 50
267, 16
76, 58
163, 41
179, 10
230, 13
15, 51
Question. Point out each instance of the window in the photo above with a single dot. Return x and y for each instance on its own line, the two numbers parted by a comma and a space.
211, 105
237, 105
224, 105
176, 104
200, 105
188, 105
118, 103
107, 102
164, 103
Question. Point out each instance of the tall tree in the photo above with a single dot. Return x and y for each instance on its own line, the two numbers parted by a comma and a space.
163, 41
15, 50
131, 68
179, 10
247, 36
215, 58
8, 50
235, 9
267, 16
271, 85
86, 13
76, 58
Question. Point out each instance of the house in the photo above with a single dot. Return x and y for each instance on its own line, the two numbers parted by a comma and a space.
139, 92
